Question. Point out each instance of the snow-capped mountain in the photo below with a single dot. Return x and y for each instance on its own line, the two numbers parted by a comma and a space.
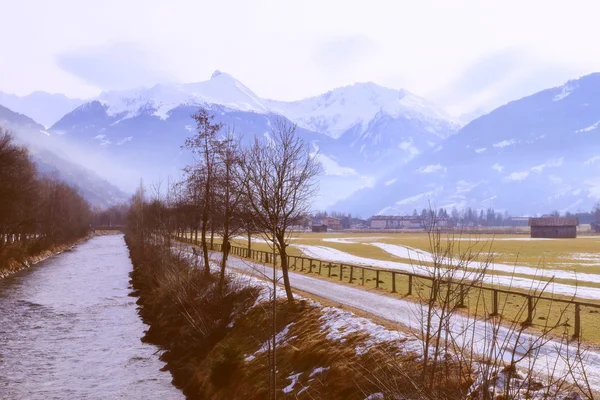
143, 129
51, 160
221, 89
353, 107
530, 156
43, 107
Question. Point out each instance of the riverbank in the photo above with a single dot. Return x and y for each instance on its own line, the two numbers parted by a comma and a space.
219, 349
22, 256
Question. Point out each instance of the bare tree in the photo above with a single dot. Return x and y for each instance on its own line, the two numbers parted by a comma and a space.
204, 146
230, 192
280, 184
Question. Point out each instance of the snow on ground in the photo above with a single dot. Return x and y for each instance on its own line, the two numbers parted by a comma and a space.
405, 252
466, 331
318, 370
417, 255
294, 379
280, 339
339, 324
352, 240
333, 255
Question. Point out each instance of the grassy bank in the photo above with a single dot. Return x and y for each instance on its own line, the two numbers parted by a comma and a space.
217, 347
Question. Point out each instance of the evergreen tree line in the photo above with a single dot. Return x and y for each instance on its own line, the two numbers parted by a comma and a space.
34, 209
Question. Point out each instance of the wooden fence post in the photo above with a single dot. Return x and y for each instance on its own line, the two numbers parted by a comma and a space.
351, 273
529, 319
577, 332
393, 282
363, 276
494, 302
320, 265
329, 274
377, 279
341, 271
461, 296
410, 284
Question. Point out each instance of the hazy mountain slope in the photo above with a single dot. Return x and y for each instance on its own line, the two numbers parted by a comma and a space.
141, 131
96, 190
530, 156
43, 107
146, 145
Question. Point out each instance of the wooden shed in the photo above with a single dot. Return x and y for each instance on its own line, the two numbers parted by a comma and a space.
553, 227
319, 228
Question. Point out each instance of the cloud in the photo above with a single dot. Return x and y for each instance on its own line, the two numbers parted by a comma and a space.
498, 167
344, 51
496, 78
504, 143
518, 176
428, 169
113, 66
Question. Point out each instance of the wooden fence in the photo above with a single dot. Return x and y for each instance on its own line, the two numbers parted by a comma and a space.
356, 273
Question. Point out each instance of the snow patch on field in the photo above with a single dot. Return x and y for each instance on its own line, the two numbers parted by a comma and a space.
339, 324
294, 379
508, 281
318, 370
280, 339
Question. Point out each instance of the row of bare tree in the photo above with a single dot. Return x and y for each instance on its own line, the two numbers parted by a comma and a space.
36, 208
264, 187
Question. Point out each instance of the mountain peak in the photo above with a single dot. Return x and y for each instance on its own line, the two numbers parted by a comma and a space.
215, 74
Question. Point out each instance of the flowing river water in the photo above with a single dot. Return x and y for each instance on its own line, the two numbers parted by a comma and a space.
69, 330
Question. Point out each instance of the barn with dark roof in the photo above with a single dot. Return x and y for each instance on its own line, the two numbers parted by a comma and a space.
553, 227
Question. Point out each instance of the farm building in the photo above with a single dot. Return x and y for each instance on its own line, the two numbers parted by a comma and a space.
553, 227
319, 228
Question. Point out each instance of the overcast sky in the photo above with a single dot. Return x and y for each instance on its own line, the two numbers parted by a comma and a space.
463, 55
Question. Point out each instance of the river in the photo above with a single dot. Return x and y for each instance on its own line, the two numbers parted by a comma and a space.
69, 330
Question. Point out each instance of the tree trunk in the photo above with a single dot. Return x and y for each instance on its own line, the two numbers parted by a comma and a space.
225, 249
205, 246
249, 242
284, 269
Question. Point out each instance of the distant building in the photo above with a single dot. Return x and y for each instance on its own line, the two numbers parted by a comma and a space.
403, 222
319, 228
332, 223
517, 221
553, 227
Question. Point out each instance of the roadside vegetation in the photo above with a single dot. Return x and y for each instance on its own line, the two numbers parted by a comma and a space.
38, 214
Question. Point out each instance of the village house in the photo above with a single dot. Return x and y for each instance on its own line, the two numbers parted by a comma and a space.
332, 223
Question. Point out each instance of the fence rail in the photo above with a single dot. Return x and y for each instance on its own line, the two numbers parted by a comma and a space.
308, 265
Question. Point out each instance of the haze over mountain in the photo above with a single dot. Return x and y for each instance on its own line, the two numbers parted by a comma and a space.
52, 159
360, 131
45, 108
384, 150
530, 156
